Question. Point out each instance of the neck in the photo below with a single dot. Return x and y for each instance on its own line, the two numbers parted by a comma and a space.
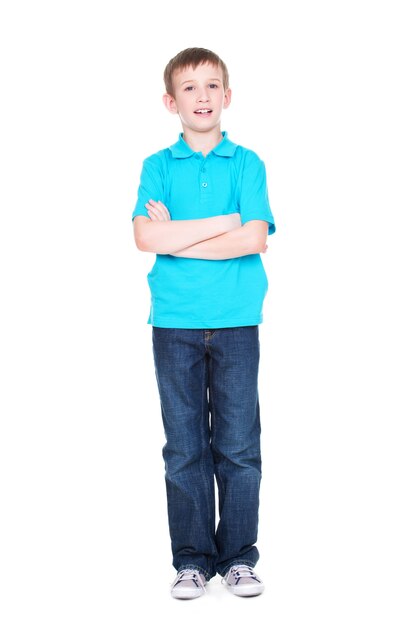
202, 142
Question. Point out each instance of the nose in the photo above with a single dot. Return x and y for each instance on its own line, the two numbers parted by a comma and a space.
203, 96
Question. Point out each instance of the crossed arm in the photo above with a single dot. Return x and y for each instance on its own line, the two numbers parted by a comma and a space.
214, 238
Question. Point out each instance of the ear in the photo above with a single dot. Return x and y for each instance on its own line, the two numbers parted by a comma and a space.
227, 98
170, 103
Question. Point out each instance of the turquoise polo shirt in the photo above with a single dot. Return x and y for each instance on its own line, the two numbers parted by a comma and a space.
202, 293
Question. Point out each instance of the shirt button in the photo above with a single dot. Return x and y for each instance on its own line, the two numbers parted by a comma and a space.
203, 169
204, 184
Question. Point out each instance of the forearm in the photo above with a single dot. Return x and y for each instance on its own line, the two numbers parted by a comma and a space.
235, 243
167, 237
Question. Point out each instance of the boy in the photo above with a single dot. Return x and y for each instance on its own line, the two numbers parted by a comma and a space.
203, 209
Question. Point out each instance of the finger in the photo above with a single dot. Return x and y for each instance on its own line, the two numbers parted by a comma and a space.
154, 213
157, 204
167, 214
155, 216
163, 209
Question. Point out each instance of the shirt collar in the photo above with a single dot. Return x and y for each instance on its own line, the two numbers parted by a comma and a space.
182, 150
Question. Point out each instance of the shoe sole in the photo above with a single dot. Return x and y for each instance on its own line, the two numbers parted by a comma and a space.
246, 591
186, 594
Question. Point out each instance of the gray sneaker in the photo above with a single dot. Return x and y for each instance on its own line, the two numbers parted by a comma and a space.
243, 581
189, 584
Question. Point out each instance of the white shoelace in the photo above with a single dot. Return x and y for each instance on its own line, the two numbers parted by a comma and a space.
240, 571
189, 574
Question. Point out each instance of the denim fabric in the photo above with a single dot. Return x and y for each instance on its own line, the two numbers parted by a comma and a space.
207, 381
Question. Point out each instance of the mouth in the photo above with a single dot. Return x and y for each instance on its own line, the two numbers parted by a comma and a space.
203, 112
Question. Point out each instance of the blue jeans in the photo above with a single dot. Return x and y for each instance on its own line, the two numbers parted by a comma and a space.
207, 381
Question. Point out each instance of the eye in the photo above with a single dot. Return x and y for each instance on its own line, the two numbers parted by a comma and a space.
213, 86
189, 88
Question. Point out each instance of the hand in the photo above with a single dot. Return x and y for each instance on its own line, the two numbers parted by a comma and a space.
157, 211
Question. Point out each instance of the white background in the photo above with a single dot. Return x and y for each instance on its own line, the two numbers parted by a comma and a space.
326, 93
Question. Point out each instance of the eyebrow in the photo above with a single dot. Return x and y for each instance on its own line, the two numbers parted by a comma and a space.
193, 81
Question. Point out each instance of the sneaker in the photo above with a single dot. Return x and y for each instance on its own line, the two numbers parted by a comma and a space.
189, 584
243, 581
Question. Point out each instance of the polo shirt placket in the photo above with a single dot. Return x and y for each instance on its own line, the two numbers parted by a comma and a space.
205, 188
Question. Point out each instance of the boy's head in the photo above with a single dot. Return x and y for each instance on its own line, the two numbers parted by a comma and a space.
192, 57
197, 88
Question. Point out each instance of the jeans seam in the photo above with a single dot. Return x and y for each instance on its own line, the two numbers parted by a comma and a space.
213, 435
209, 500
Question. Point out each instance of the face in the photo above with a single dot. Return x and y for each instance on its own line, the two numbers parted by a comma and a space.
199, 97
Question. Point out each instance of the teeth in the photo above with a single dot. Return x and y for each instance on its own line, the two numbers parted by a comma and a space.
203, 111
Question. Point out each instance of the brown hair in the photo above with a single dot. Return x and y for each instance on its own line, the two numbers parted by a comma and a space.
193, 57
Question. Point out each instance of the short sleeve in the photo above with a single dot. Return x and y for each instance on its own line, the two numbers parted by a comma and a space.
253, 197
150, 186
